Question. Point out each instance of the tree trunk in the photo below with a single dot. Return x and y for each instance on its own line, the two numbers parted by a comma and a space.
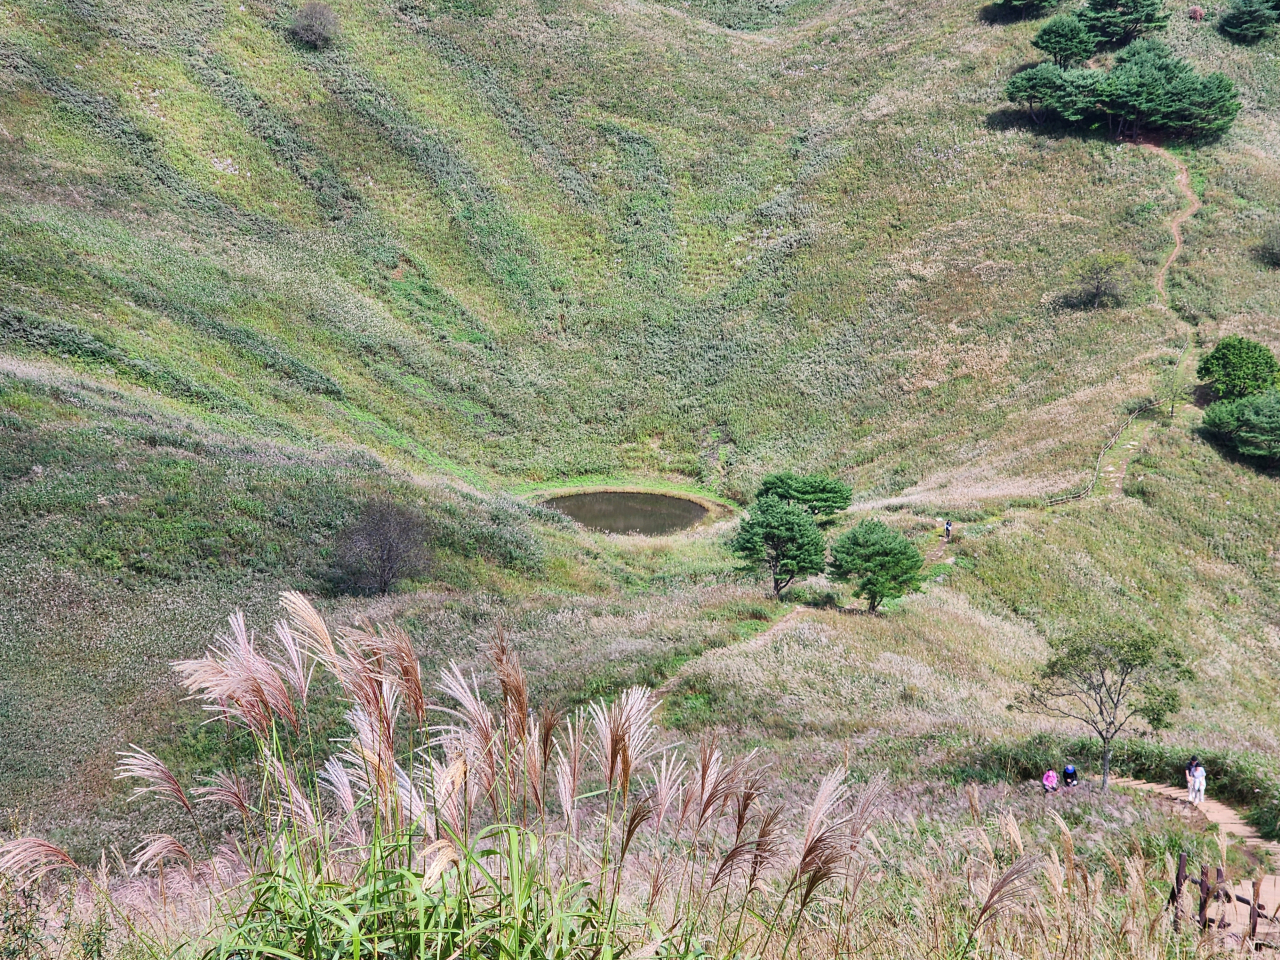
1106, 764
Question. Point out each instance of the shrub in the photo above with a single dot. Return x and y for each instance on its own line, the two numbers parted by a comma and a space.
1248, 21
885, 563
315, 25
1065, 39
1268, 250
384, 545
1097, 278
784, 538
1238, 367
1150, 87
1122, 21
1250, 424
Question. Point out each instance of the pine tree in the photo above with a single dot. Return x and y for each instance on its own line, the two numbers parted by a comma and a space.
1036, 89
1065, 39
1122, 21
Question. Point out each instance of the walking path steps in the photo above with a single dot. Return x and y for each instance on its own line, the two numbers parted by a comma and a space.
1232, 824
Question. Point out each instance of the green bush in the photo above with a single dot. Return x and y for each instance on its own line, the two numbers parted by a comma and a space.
821, 496
1238, 367
1250, 424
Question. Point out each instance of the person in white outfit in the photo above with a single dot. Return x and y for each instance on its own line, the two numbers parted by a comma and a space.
1191, 785
1197, 784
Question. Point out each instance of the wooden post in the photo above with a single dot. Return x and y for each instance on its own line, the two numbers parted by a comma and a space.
1175, 895
1204, 896
1253, 909
1223, 893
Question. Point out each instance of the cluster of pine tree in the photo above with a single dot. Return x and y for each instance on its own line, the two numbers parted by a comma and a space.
1146, 88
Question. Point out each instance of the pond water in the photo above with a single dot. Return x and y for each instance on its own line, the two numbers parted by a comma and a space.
651, 514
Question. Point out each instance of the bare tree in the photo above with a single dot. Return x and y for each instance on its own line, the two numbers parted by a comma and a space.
1098, 277
315, 25
386, 543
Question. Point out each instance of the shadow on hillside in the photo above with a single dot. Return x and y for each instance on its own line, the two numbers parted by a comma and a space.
994, 13
1222, 446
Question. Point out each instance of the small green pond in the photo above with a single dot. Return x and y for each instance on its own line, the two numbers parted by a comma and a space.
651, 514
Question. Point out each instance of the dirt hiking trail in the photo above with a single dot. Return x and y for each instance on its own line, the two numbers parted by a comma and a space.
1183, 181
1231, 824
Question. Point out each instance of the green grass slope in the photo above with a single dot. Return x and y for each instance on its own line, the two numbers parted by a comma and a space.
490, 245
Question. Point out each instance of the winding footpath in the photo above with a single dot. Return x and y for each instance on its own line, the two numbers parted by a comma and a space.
1183, 182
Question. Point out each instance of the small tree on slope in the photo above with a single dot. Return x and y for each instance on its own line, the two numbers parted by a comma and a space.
821, 496
1109, 679
783, 537
885, 564
1065, 39
1238, 367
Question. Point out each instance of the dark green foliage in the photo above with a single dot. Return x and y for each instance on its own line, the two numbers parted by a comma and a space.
1148, 88
821, 496
1121, 21
1251, 424
1037, 89
1065, 39
1248, 21
783, 537
1238, 367
885, 564
315, 25
1109, 677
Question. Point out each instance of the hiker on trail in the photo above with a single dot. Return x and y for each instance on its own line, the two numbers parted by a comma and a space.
1050, 781
1197, 784
948, 531
1069, 776
1191, 776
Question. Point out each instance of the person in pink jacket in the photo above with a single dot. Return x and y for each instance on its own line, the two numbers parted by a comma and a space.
1050, 781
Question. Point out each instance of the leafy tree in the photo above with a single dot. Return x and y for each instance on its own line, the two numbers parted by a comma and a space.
1122, 21
385, 544
821, 496
885, 563
1065, 39
1238, 367
1108, 679
1098, 277
784, 537
315, 25
1037, 89
1248, 21
1251, 424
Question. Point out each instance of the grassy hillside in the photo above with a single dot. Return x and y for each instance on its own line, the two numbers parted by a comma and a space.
481, 246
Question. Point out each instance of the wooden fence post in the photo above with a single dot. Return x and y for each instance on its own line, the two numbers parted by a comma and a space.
1175, 895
